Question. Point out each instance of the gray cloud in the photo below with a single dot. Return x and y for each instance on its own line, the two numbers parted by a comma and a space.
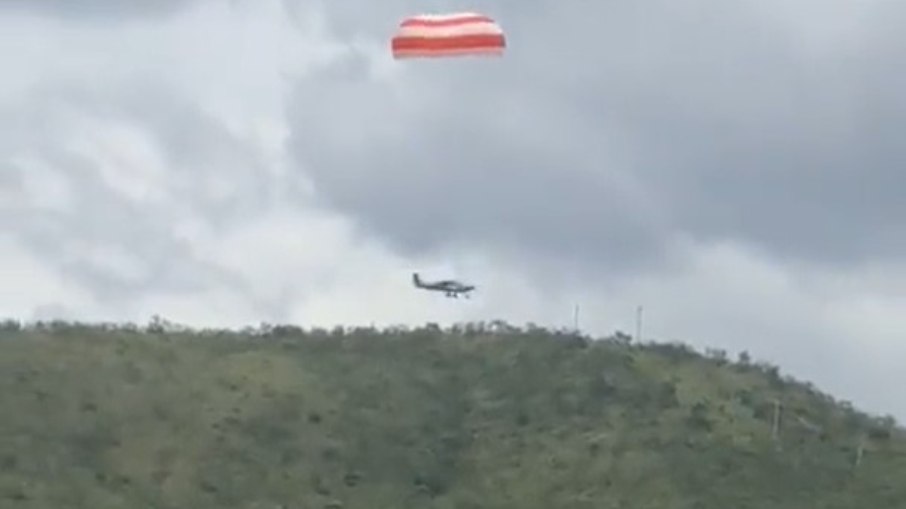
609, 129
119, 243
98, 10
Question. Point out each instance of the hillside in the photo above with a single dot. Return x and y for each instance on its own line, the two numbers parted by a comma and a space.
481, 416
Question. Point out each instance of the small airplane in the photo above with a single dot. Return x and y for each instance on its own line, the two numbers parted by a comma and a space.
450, 287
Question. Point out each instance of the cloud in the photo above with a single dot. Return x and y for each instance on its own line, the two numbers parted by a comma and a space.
230, 163
98, 200
609, 130
97, 10
725, 166
113, 175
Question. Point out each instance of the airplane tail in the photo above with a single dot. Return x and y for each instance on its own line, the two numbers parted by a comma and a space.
416, 280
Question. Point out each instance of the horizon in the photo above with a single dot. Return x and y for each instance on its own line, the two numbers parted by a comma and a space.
157, 324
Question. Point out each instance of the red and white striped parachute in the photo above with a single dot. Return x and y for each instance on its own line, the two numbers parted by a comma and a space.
444, 35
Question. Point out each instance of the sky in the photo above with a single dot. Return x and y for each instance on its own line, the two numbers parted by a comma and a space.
733, 168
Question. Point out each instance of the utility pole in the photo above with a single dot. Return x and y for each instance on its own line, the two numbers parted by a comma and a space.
775, 430
860, 452
576, 319
638, 324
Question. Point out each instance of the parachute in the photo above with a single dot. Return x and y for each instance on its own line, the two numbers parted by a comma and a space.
447, 35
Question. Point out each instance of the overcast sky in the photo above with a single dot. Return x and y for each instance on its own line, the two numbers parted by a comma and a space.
735, 167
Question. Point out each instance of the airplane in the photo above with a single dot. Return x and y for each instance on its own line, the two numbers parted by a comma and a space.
450, 287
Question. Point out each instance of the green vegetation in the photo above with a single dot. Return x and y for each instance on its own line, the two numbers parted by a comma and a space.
480, 416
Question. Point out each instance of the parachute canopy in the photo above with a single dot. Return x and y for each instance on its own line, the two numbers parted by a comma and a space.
445, 35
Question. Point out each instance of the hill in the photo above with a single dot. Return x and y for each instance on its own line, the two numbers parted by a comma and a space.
477, 416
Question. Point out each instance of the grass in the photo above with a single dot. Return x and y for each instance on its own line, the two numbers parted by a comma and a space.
473, 417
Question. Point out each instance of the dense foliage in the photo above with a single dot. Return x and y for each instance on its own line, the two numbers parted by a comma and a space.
478, 416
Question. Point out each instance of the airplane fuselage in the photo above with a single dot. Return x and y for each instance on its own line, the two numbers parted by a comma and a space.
449, 287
